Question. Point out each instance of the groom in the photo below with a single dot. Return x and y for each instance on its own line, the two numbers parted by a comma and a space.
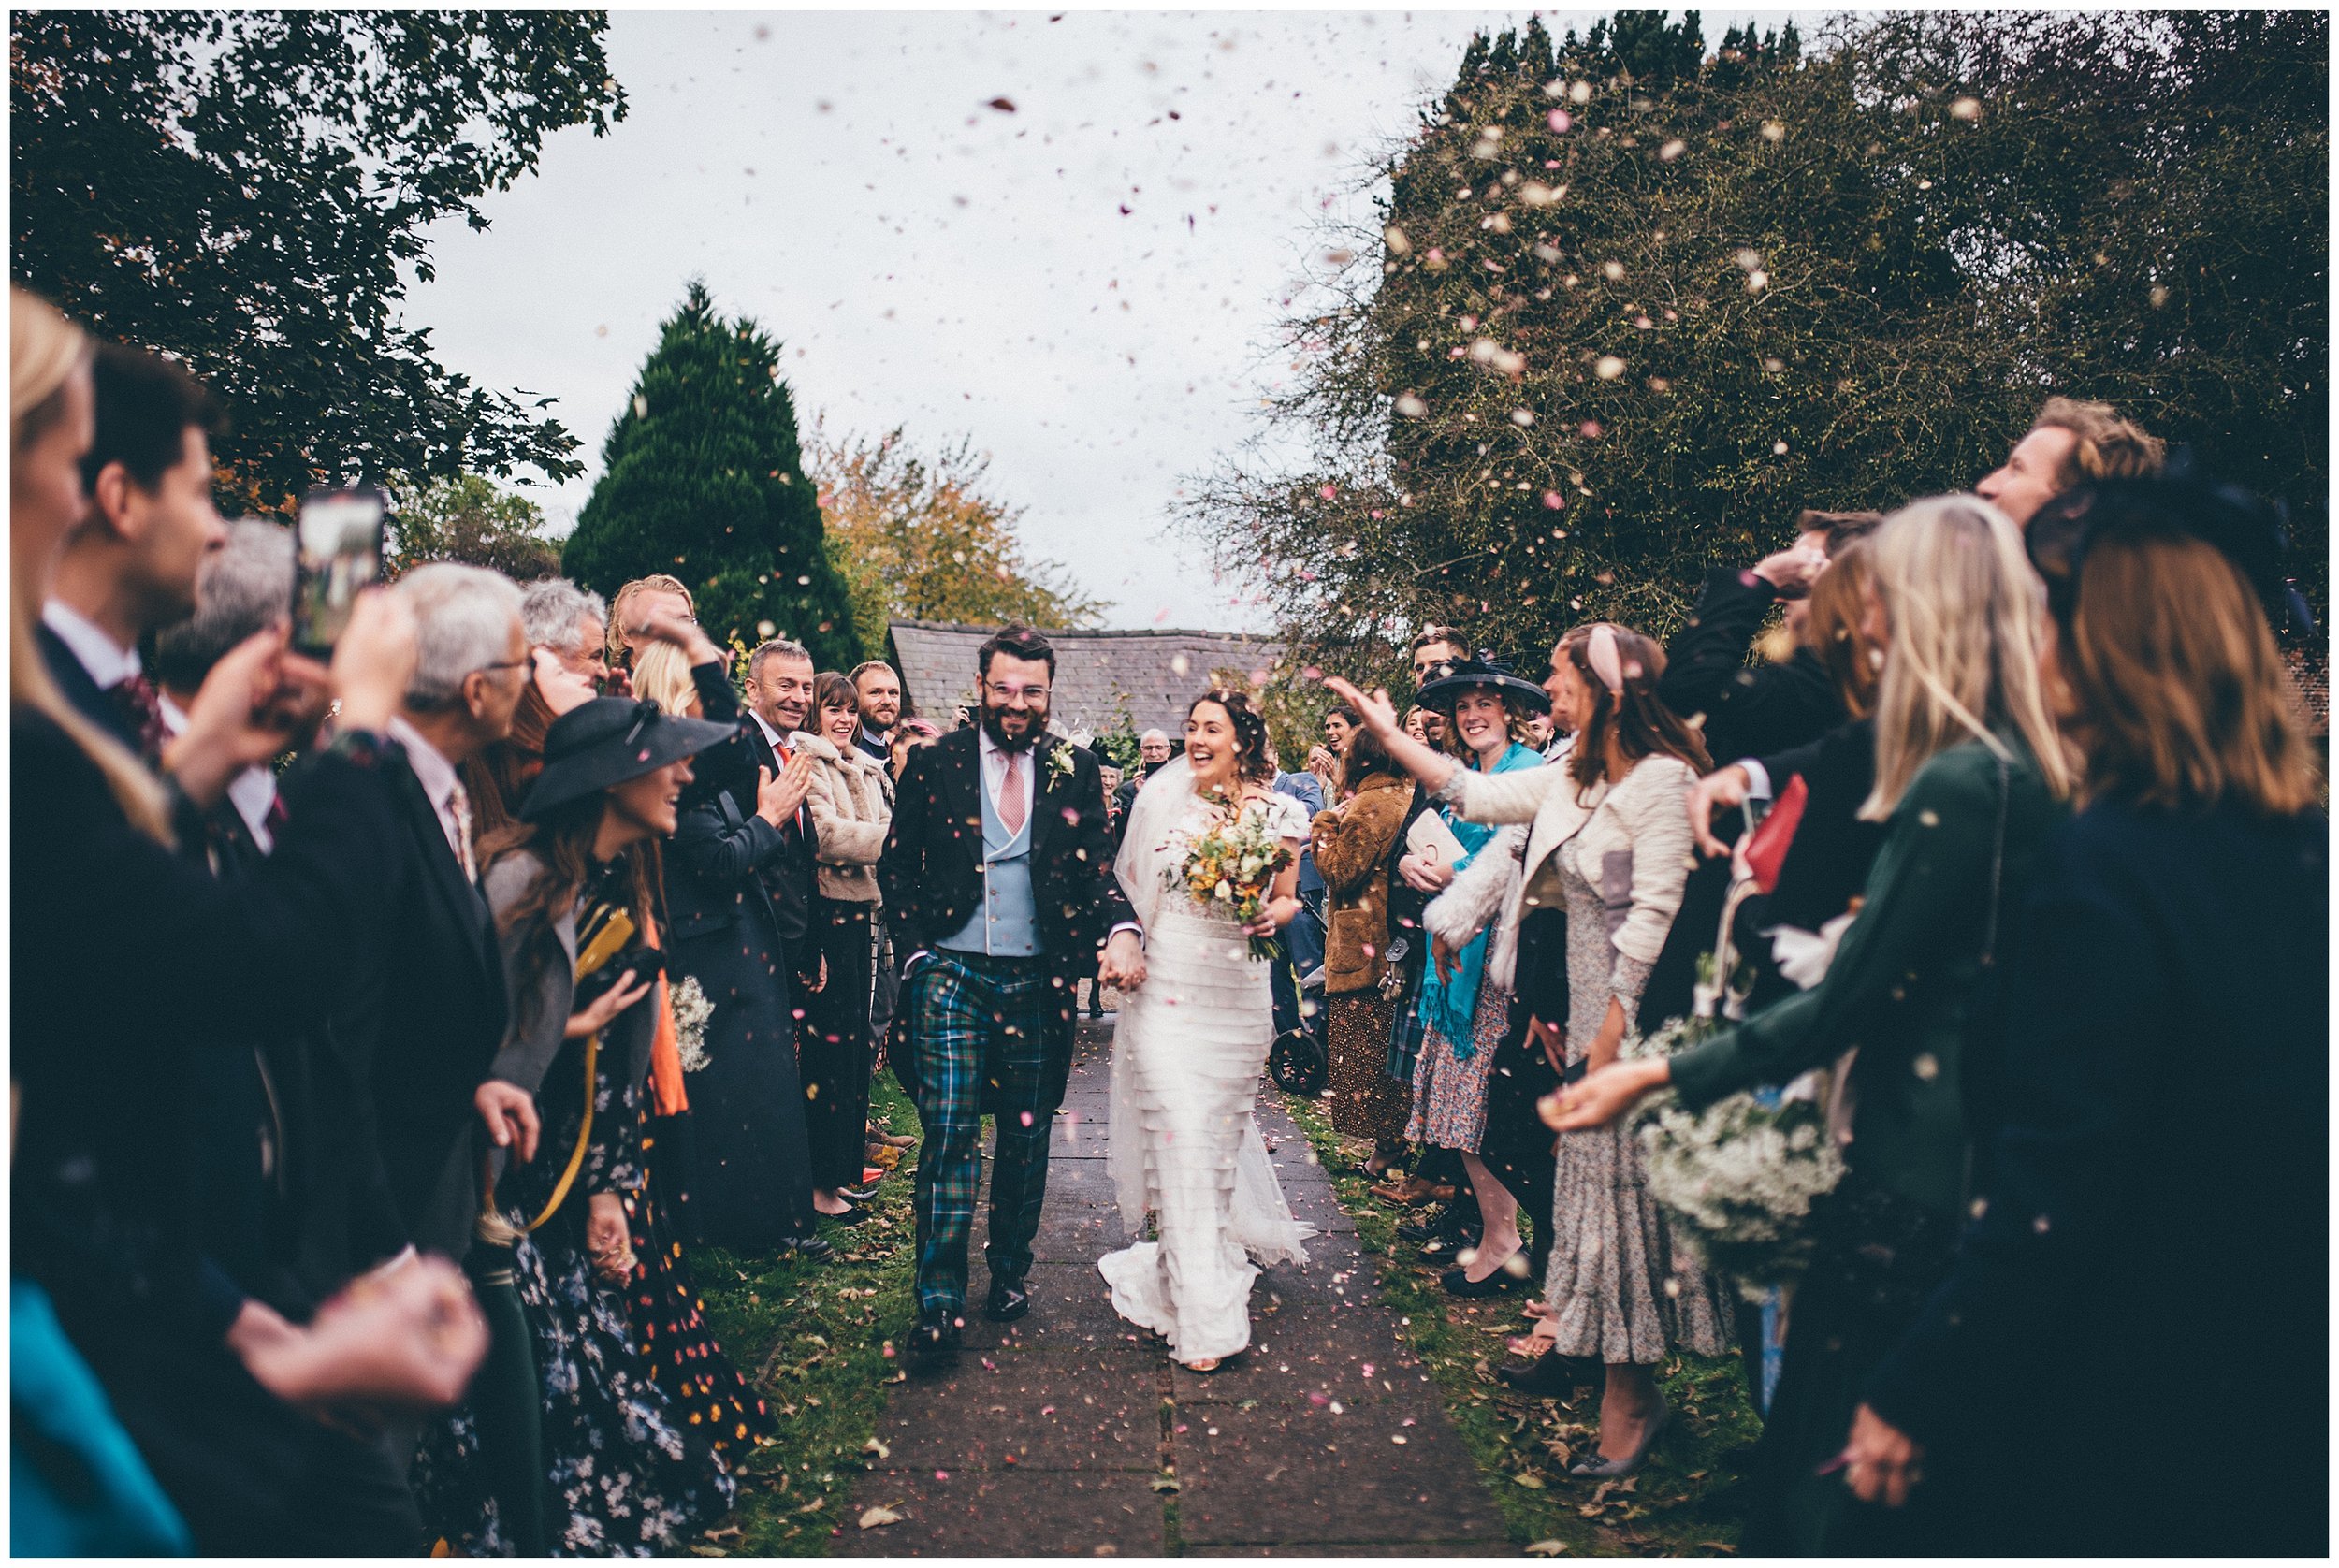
998, 876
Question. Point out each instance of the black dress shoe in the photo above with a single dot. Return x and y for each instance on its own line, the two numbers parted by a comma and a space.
812, 1249
1008, 1301
933, 1346
1423, 1228
853, 1215
1554, 1376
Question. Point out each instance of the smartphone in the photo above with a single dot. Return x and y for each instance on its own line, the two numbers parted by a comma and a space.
339, 551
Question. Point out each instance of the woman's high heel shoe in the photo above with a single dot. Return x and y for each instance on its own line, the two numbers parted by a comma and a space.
1597, 1468
1458, 1283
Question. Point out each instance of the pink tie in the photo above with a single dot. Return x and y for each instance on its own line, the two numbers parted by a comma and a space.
1011, 799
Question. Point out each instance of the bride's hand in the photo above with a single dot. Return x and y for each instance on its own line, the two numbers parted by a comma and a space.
1379, 712
1123, 966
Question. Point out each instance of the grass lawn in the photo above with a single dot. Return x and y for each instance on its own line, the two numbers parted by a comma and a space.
816, 1339
1671, 1507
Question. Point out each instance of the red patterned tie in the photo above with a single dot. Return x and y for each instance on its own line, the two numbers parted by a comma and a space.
143, 707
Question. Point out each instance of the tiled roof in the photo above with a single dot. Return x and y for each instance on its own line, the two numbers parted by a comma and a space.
1153, 674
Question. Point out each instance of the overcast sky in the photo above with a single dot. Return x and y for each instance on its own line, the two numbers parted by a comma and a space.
1085, 286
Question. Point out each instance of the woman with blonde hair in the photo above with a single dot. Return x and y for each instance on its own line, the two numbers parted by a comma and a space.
2167, 1060
210, 1385
638, 607
1970, 781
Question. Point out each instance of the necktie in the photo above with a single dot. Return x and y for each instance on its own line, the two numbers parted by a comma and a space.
275, 817
460, 802
139, 703
1011, 799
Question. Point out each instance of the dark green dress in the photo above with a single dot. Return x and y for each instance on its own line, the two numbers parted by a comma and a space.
1912, 988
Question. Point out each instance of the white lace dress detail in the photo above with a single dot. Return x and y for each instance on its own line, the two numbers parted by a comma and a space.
1188, 1051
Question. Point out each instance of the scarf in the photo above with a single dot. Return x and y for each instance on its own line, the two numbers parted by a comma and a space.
1451, 1005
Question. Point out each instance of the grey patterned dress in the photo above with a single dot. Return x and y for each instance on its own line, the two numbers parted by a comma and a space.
1622, 1286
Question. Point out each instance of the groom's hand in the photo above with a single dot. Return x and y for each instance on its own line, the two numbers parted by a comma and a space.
1123, 966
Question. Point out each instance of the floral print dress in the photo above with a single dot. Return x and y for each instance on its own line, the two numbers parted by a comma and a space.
630, 1472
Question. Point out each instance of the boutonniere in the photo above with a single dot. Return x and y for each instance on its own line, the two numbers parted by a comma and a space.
1060, 762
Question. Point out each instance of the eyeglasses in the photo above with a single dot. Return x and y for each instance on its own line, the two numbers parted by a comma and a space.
504, 665
1008, 693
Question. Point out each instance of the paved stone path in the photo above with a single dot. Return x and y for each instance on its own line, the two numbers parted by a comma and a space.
1060, 1434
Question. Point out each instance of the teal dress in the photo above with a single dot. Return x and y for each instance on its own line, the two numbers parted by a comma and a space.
1462, 1020
76, 1487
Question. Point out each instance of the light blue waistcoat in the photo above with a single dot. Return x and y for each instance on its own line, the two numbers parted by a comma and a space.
1007, 924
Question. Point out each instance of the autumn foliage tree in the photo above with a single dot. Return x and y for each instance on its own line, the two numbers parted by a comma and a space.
1632, 304
925, 539
471, 520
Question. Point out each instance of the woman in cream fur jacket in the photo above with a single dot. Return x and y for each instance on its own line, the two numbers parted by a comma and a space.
852, 803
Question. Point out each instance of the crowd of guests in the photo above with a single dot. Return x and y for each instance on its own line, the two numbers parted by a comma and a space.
2040, 895
386, 1022
389, 1020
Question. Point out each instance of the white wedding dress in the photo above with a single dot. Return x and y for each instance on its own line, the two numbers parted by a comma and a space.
1188, 1051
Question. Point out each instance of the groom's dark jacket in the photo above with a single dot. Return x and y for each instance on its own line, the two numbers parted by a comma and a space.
931, 871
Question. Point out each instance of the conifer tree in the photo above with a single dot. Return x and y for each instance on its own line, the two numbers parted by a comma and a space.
702, 479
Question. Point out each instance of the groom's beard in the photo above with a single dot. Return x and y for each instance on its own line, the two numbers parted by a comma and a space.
1033, 721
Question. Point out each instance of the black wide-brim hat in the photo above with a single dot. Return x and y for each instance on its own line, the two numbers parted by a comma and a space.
1483, 674
608, 741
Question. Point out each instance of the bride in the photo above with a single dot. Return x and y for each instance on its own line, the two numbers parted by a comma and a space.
1188, 1049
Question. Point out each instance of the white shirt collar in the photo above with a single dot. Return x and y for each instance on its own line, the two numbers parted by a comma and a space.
432, 771
107, 665
771, 736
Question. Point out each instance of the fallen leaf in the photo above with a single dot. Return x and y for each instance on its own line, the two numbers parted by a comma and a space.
877, 1447
1164, 1482
1546, 1549
1533, 1482
880, 1514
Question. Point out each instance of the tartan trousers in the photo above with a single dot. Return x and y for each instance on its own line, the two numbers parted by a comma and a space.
981, 1030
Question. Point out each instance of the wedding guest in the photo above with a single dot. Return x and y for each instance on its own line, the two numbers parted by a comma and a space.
212, 1386
1339, 724
637, 605
1416, 725
2070, 443
751, 1174
2181, 920
1743, 710
129, 568
626, 1466
570, 624
910, 734
877, 690
1433, 646
1464, 1017
421, 1024
851, 801
779, 701
1351, 844
1153, 750
1969, 780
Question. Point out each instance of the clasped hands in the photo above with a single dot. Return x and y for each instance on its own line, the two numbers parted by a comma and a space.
1123, 966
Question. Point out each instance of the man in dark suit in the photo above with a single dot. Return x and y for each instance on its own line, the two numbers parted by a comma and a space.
130, 567
779, 695
997, 874
420, 1024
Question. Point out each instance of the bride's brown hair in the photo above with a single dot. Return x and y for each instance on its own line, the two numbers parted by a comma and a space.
1251, 763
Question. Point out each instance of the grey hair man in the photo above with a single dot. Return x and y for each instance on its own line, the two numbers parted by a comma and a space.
466, 682
569, 623
243, 587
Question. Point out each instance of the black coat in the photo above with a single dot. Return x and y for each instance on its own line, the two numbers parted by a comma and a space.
2158, 1205
1743, 711
135, 973
931, 868
88, 698
419, 1025
1746, 709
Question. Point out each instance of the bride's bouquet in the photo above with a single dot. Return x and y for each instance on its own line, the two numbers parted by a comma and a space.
1229, 869
1738, 1177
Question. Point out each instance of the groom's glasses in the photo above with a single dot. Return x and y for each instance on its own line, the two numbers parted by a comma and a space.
1001, 693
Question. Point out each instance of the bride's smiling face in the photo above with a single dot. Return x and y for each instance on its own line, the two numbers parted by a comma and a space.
1210, 748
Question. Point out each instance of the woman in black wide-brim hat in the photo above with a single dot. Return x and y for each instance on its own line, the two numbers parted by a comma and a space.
623, 1464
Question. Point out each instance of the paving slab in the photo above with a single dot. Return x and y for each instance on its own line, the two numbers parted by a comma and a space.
1062, 1434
